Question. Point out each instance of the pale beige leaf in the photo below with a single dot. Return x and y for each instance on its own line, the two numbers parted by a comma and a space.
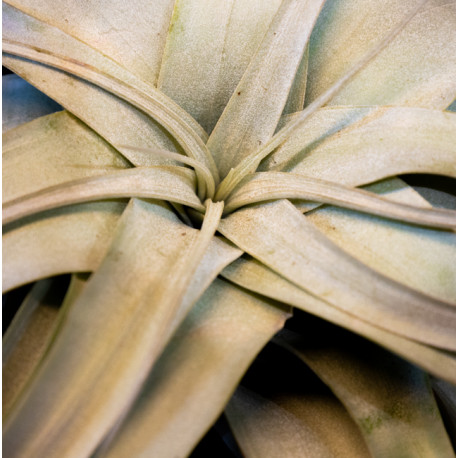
100, 110
26, 339
209, 45
280, 236
296, 95
170, 183
421, 258
28, 30
180, 290
150, 268
67, 149
252, 113
424, 259
150, 101
356, 146
60, 147
103, 25
252, 159
254, 276
263, 186
75, 398
197, 373
417, 69
31, 333
390, 400
149, 154
293, 425
22, 103
72, 239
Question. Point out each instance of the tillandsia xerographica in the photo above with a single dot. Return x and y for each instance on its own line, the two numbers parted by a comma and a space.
204, 171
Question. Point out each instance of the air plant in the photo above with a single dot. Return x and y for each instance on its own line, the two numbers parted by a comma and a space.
218, 167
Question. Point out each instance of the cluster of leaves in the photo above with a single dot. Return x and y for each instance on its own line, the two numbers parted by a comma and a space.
201, 185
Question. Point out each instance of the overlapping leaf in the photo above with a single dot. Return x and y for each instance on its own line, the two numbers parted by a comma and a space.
132, 335
390, 400
338, 143
251, 274
271, 232
305, 420
417, 69
254, 109
197, 373
209, 46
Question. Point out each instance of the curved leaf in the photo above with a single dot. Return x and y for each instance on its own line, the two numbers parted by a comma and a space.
103, 26
360, 145
294, 425
72, 239
271, 232
150, 102
263, 186
423, 73
175, 184
197, 373
390, 400
89, 103
421, 258
75, 398
250, 117
251, 160
251, 274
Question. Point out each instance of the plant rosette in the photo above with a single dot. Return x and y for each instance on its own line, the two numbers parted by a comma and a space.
204, 171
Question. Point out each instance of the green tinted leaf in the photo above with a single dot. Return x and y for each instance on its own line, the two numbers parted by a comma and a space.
60, 147
421, 258
390, 400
